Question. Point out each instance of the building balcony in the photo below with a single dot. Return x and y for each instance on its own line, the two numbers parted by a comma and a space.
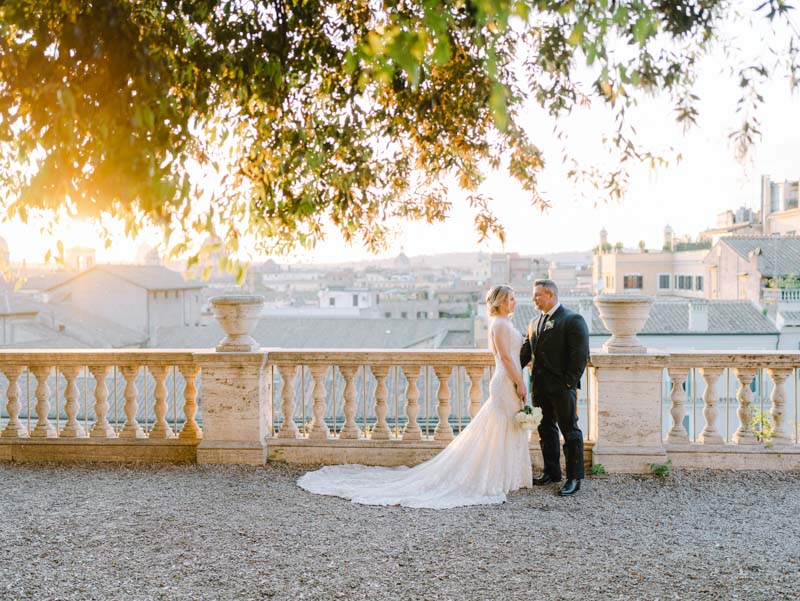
781, 295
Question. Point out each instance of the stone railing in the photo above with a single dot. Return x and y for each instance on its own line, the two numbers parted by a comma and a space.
115, 405
721, 409
638, 406
389, 407
783, 295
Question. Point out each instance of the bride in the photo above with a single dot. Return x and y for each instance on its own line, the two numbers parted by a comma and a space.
488, 459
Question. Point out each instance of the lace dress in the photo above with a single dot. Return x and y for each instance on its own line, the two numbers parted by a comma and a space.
488, 459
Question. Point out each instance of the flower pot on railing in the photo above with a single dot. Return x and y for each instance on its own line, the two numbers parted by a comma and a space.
624, 315
238, 316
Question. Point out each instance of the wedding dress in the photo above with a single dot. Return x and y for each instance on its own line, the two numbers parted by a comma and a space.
488, 459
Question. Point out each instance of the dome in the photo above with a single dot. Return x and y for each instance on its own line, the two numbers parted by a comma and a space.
402, 260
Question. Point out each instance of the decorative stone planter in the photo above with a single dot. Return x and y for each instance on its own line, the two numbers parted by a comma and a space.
237, 315
624, 315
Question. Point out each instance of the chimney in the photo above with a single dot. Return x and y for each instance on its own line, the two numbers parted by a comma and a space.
698, 315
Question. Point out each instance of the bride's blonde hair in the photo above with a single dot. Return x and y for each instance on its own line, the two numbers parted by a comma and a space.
496, 296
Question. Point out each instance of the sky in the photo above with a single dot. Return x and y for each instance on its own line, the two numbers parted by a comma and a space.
687, 196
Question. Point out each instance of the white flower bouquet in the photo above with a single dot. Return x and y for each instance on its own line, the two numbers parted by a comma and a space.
528, 417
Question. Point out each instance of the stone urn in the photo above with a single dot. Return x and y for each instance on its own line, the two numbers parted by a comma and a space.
624, 315
237, 315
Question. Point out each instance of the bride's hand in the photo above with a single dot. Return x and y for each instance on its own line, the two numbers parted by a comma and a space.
521, 393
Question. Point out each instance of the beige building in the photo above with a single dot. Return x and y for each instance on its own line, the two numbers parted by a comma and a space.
780, 213
516, 270
656, 273
139, 298
740, 268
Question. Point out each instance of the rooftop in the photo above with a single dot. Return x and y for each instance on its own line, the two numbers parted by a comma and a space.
324, 332
150, 277
670, 316
777, 255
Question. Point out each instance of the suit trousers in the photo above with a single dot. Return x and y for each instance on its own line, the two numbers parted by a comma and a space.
560, 412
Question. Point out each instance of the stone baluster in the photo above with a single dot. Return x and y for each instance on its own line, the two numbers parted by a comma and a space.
14, 428
381, 430
319, 429
43, 429
744, 434
475, 389
190, 428
101, 428
677, 433
444, 430
710, 434
73, 428
350, 430
288, 428
161, 429
131, 429
412, 430
781, 435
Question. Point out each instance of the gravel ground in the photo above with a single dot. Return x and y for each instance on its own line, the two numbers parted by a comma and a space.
222, 532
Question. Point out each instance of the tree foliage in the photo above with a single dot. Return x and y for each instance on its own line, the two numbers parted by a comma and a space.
265, 120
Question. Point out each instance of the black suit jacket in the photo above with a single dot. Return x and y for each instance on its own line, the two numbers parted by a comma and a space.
558, 355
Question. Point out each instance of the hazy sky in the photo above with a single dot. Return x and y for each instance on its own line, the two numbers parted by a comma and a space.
687, 196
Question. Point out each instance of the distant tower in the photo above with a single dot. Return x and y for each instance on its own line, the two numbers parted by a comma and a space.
153, 257
603, 238
669, 239
147, 256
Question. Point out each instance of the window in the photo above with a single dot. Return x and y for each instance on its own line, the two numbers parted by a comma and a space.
387, 315
698, 282
684, 282
632, 282
404, 315
332, 302
355, 300
422, 315
791, 197
663, 281
774, 198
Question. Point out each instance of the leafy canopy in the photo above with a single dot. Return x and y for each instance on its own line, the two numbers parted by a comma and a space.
266, 120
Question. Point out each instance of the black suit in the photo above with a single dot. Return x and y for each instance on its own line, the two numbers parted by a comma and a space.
559, 354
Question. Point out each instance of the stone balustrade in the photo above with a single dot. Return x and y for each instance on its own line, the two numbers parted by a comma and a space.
384, 407
241, 404
130, 421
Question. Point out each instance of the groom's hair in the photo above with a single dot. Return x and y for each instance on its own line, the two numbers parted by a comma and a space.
549, 284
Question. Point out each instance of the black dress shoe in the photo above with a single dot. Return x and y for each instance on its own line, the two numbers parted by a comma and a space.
544, 479
570, 488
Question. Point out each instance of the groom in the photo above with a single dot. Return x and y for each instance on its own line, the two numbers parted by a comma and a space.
557, 345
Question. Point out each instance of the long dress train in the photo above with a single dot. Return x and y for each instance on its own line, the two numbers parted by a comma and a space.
488, 459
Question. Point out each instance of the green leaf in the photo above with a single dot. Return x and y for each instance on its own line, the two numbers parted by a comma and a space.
576, 37
641, 29
497, 102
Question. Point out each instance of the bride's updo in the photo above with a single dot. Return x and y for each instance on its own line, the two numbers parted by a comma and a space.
496, 296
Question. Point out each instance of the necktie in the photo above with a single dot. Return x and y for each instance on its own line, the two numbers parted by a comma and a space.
543, 321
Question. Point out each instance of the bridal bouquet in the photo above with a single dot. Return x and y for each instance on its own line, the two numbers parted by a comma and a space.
529, 417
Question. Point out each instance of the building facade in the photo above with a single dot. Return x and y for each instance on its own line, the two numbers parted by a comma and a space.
656, 273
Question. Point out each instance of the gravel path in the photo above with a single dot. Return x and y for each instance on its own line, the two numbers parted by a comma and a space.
221, 532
